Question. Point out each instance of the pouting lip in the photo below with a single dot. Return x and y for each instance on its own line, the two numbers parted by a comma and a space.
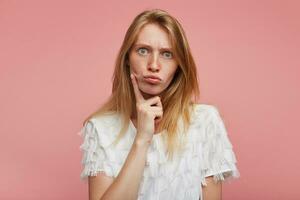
152, 76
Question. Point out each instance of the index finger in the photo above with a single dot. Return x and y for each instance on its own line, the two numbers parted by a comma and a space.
137, 92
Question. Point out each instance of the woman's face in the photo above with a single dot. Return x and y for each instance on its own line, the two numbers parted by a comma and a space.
152, 54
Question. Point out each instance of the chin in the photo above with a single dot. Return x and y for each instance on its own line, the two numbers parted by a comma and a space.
151, 91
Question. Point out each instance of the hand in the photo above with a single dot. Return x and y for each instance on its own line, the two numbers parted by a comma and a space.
149, 112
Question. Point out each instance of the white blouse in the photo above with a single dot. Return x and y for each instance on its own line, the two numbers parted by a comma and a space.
208, 152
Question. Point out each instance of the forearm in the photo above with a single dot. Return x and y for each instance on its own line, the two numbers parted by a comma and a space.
213, 190
126, 184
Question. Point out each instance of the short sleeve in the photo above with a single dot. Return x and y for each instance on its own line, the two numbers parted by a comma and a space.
219, 157
94, 156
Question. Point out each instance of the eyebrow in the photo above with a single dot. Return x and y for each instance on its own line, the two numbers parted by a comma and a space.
147, 45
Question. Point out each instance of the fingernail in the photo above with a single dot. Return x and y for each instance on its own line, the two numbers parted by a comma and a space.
131, 76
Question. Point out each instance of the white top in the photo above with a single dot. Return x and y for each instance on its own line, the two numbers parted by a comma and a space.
208, 152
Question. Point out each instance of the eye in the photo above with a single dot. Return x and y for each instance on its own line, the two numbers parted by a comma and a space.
168, 54
142, 51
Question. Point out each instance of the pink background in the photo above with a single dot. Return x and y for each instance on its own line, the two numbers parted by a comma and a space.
56, 61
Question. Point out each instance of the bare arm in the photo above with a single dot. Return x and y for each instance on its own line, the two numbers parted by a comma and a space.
213, 191
98, 185
126, 184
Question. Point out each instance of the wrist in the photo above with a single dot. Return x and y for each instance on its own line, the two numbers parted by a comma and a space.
142, 142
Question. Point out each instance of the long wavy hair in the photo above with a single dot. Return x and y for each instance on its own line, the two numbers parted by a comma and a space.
177, 99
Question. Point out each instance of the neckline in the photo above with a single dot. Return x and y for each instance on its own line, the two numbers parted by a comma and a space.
135, 130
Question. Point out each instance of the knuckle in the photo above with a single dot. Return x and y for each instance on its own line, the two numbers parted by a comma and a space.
139, 107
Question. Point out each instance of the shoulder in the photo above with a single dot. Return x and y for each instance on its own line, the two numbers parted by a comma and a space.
204, 107
105, 120
106, 127
99, 154
205, 111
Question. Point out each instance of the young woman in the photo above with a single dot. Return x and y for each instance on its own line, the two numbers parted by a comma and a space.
151, 140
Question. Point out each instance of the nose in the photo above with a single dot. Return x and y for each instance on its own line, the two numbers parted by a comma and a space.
154, 64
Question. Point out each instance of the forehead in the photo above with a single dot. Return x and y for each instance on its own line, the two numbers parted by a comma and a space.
154, 35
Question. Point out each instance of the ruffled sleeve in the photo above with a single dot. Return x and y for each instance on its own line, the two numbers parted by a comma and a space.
219, 158
94, 159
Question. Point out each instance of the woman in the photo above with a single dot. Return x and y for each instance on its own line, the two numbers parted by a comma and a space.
150, 140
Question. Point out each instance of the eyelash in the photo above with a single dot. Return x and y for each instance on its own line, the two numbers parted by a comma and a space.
163, 52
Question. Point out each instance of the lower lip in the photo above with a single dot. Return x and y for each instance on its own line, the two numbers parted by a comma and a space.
152, 80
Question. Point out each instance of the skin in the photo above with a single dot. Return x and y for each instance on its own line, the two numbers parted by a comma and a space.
152, 54
213, 191
144, 60
152, 59
126, 184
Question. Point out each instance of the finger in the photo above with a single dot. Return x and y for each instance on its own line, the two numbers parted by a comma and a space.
158, 116
138, 95
157, 120
159, 102
156, 109
154, 101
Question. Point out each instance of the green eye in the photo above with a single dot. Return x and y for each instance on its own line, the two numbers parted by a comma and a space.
168, 54
142, 51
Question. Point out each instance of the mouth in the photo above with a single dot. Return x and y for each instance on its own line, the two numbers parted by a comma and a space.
152, 80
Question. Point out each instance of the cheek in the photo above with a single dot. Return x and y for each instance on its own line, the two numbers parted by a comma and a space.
137, 65
170, 77
172, 73
136, 68
134, 63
